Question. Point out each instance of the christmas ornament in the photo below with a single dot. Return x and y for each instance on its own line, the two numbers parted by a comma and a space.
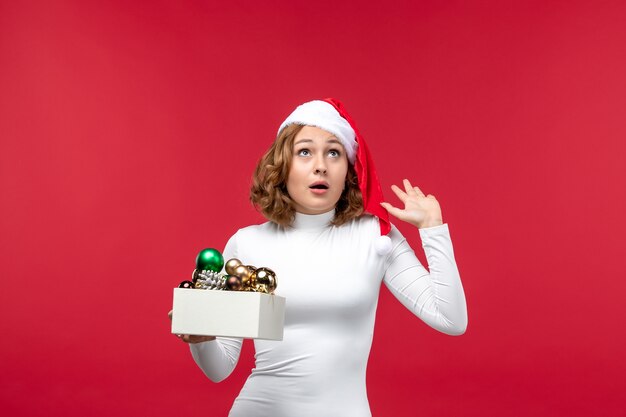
245, 273
210, 259
233, 283
265, 280
212, 280
251, 276
238, 277
186, 284
231, 265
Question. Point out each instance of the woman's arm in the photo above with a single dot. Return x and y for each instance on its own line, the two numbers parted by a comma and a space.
437, 297
217, 358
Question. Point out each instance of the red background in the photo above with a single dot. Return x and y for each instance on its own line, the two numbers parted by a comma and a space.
129, 131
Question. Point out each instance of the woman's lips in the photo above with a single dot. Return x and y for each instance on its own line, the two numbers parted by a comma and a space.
319, 190
319, 187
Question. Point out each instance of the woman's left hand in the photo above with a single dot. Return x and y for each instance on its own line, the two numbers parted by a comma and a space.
419, 210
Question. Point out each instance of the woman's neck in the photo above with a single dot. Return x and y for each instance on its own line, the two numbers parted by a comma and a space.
313, 221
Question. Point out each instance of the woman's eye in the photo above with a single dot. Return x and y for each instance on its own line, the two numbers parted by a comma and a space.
304, 152
334, 153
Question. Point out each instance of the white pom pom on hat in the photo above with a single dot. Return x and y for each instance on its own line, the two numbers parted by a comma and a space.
330, 115
382, 245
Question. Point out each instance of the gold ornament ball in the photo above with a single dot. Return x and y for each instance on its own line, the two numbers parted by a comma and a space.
233, 283
241, 271
245, 272
266, 278
251, 275
232, 265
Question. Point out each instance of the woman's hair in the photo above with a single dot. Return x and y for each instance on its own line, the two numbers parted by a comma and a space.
269, 193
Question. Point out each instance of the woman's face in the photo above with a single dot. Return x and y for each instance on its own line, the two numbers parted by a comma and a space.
317, 175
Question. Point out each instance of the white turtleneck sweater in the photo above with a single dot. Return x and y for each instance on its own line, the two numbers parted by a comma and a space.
331, 278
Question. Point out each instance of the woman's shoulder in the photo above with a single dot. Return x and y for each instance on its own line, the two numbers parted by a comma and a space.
367, 226
257, 229
248, 236
365, 220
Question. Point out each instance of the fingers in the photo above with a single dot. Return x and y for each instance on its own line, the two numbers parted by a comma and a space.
408, 187
409, 190
394, 211
412, 190
399, 193
190, 338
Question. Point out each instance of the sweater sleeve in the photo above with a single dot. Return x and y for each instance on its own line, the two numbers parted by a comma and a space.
217, 358
436, 297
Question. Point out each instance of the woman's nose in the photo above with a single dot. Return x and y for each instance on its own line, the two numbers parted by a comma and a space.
320, 166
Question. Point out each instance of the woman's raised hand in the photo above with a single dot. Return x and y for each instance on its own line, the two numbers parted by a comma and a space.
190, 338
419, 210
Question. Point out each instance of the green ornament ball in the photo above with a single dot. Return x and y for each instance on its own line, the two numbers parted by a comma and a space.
210, 259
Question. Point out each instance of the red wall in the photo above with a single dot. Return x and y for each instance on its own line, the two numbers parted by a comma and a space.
129, 131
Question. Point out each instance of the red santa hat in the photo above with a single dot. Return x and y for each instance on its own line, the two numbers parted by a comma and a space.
330, 115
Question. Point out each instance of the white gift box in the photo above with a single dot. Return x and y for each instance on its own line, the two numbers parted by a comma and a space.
244, 314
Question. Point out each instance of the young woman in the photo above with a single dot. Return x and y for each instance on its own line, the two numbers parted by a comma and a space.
331, 245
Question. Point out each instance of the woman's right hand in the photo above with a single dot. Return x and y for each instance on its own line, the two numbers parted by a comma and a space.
191, 338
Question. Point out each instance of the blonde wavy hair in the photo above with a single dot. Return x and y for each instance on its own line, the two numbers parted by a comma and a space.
269, 193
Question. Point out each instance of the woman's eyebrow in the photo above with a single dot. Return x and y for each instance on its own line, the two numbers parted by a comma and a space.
331, 139
303, 141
